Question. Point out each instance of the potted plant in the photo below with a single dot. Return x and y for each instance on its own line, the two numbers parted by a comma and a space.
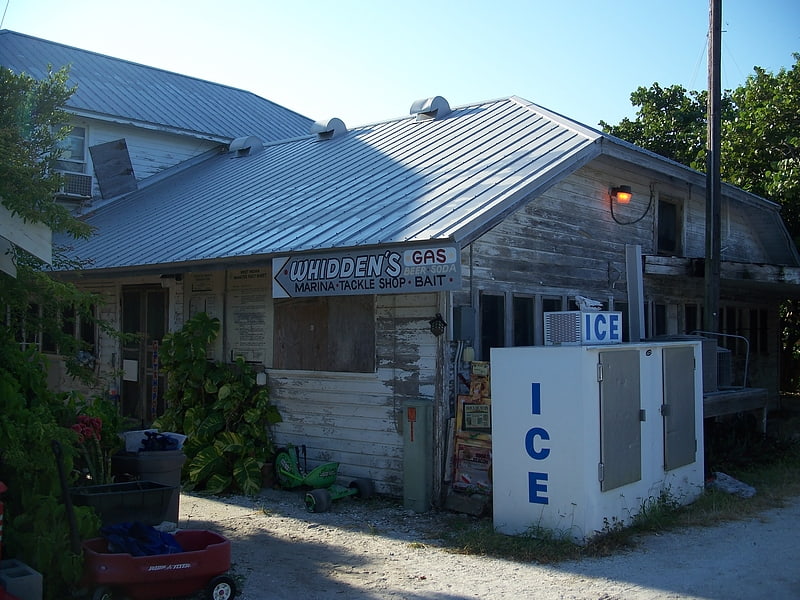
226, 416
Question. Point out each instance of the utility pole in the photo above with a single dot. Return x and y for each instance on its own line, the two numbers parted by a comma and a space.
713, 193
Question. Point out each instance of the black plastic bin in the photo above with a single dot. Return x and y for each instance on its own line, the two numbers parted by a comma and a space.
161, 466
144, 501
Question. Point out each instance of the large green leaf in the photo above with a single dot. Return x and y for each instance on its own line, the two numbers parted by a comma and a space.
247, 474
213, 423
230, 442
218, 483
207, 462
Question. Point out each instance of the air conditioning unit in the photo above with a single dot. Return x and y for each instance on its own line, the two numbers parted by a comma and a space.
76, 185
576, 328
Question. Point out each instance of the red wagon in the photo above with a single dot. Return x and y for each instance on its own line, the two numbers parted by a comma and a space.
201, 566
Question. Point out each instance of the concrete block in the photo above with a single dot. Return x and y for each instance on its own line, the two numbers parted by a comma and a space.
20, 580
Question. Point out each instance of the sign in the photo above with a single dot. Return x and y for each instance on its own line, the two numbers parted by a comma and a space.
601, 327
408, 270
248, 315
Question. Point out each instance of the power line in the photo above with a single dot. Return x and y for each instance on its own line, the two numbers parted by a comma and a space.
5, 10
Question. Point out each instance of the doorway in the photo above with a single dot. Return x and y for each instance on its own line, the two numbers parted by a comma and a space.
144, 314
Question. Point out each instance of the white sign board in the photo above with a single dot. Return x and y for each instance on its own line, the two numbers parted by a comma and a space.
370, 271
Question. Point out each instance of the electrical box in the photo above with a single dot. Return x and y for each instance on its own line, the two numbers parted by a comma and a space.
463, 323
585, 437
575, 328
417, 454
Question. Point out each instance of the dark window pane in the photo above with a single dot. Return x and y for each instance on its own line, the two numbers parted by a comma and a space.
667, 227
492, 324
523, 321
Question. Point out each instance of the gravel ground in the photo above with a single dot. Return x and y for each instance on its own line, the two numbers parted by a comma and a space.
376, 549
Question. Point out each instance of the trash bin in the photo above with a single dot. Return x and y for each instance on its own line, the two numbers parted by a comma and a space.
160, 466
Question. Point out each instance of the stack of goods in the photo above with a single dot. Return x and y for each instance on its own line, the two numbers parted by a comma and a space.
473, 434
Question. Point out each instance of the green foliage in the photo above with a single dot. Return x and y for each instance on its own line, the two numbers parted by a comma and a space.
760, 133
37, 530
218, 406
759, 152
670, 121
31, 128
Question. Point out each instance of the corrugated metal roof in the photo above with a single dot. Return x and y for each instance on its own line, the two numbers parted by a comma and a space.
399, 181
109, 87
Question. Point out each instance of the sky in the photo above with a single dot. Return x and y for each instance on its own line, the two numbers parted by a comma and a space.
365, 61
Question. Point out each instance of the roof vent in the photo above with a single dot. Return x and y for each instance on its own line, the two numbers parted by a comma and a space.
429, 109
243, 146
331, 128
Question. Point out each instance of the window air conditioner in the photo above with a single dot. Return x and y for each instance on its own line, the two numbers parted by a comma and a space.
76, 185
576, 328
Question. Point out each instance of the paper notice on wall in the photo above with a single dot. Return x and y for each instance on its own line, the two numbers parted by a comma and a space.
130, 370
248, 316
205, 303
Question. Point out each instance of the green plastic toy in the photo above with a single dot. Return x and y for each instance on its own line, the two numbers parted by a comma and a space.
321, 481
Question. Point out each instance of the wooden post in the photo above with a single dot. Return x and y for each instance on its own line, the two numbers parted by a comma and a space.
713, 195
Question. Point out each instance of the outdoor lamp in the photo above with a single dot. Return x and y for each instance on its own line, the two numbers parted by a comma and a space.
621, 194
437, 325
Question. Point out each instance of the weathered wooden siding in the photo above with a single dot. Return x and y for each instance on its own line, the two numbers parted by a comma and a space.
565, 242
356, 419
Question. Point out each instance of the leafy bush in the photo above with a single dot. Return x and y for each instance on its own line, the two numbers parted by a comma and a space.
36, 526
218, 406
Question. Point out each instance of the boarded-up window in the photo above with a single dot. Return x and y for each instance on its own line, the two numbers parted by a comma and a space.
334, 333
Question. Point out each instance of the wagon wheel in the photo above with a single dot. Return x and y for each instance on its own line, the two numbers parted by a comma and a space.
102, 593
221, 587
364, 487
318, 500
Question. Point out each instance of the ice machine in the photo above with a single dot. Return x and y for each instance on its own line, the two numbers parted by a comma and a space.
585, 436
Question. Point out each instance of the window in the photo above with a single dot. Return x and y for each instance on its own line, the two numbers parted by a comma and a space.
669, 231
692, 321
335, 333
523, 308
37, 328
493, 324
73, 152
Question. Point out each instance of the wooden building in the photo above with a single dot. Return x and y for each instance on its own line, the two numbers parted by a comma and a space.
328, 256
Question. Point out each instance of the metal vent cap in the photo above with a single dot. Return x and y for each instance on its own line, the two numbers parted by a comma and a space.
429, 109
331, 128
243, 146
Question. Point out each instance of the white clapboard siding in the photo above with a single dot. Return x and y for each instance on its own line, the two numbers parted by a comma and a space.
151, 151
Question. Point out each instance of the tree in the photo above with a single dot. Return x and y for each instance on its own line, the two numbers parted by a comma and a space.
35, 302
32, 125
759, 152
760, 134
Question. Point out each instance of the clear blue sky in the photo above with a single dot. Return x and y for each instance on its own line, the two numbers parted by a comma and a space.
368, 60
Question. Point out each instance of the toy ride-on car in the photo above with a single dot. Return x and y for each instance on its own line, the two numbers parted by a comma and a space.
320, 481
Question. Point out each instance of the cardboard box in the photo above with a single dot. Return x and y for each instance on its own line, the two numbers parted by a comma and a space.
473, 472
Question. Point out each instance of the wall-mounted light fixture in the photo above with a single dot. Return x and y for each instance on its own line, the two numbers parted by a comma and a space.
621, 194
437, 325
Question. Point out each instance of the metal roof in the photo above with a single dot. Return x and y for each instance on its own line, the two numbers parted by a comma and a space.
112, 89
399, 181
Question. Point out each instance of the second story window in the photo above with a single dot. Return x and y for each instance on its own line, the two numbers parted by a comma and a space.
73, 152
669, 227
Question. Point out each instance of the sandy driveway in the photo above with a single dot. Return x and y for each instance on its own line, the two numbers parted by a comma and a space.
378, 550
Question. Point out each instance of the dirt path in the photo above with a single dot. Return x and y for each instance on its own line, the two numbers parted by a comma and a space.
377, 550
